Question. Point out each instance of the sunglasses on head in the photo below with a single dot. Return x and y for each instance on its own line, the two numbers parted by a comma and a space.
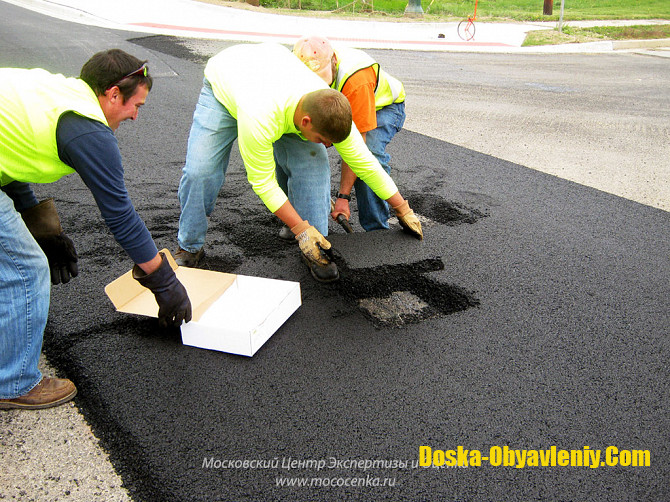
142, 70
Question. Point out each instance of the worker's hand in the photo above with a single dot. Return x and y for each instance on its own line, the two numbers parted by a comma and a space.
311, 242
62, 257
341, 206
408, 220
174, 305
44, 224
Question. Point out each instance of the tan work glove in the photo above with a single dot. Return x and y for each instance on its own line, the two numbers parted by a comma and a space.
311, 242
408, 220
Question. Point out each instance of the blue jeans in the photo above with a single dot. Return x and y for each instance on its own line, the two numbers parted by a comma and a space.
25, 288
302, 171
373, 212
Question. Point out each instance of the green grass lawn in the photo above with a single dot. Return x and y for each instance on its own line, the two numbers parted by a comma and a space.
520, 10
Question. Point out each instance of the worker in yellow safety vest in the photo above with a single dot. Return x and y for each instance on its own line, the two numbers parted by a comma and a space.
283, 117
51, 126
378, 107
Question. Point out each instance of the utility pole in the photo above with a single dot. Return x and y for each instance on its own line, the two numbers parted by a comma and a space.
413, 8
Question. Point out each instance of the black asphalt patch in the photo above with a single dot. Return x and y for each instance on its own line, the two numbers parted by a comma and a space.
173, 46
567, 346
364, 250
385, 274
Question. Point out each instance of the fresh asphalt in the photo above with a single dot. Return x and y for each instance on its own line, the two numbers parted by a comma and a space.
556, 335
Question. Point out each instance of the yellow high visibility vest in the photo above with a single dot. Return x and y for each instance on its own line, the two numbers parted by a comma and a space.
388, 89
31, 103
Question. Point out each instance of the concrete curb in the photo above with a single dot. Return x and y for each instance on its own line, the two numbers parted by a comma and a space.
640, 44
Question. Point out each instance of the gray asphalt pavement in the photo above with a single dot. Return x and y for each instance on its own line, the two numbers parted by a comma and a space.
533, 315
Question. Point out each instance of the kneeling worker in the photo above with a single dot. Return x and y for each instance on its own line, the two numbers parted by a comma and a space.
378, 107
284, 116
51, 126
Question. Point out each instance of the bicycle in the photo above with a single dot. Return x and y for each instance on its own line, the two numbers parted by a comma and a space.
466, 28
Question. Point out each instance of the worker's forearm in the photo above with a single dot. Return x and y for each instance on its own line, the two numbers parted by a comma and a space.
347, 179
288, 215
151, 265
395, 200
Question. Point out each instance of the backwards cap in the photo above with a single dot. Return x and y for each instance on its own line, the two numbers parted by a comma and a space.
317, 53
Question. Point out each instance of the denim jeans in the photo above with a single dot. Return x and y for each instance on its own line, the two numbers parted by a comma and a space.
373, 212
25, 289
302, 171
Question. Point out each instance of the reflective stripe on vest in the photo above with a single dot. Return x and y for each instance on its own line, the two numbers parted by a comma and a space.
387, 90
31, 103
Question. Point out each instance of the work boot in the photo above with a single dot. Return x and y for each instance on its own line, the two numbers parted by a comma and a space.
285, 234
187, 259
322, 273
46, 394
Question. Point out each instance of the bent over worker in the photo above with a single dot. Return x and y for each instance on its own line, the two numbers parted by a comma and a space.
51, 126
284, 117
378, 107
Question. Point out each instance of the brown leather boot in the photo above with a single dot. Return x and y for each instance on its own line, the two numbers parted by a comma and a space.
49, 392
185, 258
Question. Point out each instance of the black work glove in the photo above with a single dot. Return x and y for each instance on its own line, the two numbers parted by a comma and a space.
44, 224
174, 305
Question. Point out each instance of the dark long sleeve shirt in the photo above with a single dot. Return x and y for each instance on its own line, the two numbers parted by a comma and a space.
90, 148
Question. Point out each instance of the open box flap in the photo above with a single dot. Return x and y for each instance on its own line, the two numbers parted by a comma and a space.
203, 288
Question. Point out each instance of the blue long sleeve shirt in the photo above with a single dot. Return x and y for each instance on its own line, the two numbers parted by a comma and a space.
90, 148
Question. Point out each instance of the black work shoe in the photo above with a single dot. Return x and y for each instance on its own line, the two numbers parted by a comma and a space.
186, 259
285, 234
322, 273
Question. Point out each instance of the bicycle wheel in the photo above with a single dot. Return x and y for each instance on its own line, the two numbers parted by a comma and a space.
466, 30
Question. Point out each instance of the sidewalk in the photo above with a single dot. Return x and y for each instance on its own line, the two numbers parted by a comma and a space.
193, 18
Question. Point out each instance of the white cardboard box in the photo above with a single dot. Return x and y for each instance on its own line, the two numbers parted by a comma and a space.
231, 313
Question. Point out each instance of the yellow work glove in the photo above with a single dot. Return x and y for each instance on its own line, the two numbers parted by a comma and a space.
408, 220
311, 242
